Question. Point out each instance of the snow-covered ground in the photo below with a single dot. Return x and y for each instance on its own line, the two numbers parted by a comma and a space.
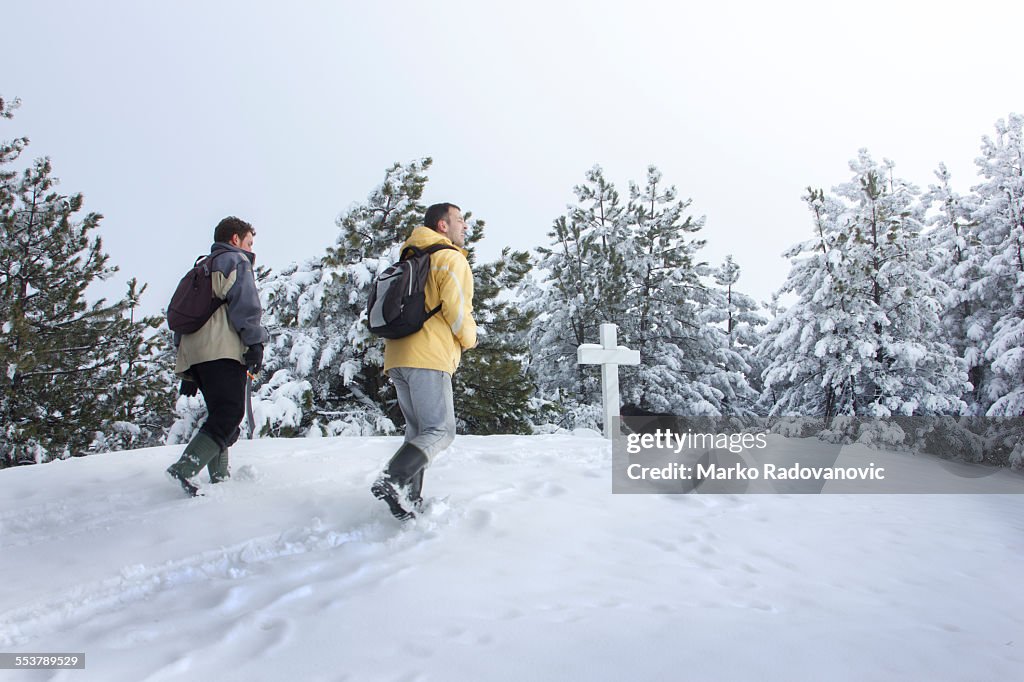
525, 568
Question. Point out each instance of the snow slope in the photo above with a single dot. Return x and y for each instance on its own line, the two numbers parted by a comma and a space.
525, 568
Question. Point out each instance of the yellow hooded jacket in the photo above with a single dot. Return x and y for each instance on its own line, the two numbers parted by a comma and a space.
439, 344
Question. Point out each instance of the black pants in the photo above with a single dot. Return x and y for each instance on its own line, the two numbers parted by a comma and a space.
223, 385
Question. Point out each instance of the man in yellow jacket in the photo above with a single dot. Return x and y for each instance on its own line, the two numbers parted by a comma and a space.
421, 365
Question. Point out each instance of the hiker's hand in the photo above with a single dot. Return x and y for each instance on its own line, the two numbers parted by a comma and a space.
188, 388
254, 358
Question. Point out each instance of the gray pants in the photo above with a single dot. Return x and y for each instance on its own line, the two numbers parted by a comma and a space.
425, 396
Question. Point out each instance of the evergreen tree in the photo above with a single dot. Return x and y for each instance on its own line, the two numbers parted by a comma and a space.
143, 388
687, 367
493, 388
865, 337
323, 373
959, 257
794, 381
635, 266
75, 373
584, 286
741, 317
1000, 217
323, 368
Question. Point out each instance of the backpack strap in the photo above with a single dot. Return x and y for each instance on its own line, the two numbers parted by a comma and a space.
207, 261
413, 251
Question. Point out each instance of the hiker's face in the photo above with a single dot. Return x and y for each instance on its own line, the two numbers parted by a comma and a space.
244, 243
456, 225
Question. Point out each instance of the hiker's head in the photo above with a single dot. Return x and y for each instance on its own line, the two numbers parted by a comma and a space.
447, 219
236, 232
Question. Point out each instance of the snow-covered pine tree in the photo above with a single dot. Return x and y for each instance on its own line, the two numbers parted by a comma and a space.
493, 388
143, 393
634, 266
865, 337
323, 368
794, 382
761, 354
741, 317
687, 367
583, 286
959, 257
999, 214
70, 368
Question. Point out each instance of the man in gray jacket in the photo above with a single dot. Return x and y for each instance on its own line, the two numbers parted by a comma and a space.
215, 358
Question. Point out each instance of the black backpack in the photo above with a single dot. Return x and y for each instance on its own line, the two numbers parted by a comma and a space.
397, 305
193, 302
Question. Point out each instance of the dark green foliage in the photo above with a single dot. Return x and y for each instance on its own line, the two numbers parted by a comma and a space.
493, 391
74, 374
389, 215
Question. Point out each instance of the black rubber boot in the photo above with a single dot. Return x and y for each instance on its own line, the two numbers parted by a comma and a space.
416, 491
393, 486
406, 463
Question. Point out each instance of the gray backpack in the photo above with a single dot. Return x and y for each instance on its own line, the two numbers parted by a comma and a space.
397, 305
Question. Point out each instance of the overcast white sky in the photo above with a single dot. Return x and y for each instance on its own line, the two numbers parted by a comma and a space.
169, 116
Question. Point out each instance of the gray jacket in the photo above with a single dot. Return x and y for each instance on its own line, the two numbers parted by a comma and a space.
235, 325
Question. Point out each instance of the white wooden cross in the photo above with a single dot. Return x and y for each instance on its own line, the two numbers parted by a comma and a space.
609, 355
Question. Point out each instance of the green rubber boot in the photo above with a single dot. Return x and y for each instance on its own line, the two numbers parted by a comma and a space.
218, 467
200, 452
